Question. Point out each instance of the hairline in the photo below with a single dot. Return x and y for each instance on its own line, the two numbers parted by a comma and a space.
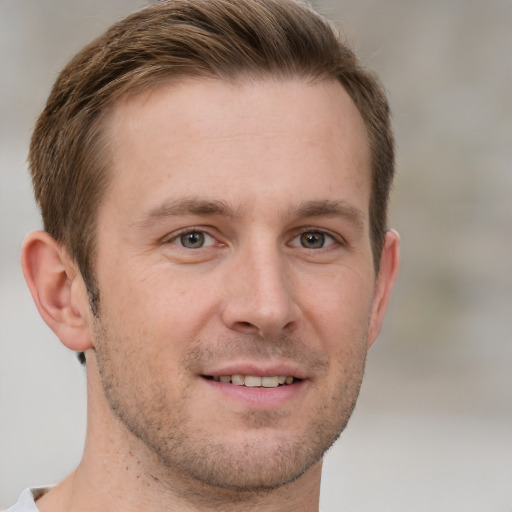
134, 90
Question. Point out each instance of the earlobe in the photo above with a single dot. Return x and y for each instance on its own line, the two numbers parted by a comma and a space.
57, 289
388, 271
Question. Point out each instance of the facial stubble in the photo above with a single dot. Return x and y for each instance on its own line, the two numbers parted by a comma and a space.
267, 457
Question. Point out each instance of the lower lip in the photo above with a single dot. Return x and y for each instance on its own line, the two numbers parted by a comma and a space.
259, 397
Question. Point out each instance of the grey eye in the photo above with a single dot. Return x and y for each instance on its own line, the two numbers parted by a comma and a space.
194, 240
312, 240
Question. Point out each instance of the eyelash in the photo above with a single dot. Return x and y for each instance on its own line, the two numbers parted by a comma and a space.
328, 236
334, 239
190, 231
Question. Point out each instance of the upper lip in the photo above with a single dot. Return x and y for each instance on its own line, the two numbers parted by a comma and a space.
257, 369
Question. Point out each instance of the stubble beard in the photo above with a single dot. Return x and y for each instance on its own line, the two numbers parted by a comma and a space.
258, 464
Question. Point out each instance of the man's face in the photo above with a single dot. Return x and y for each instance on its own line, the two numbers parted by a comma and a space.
233, 253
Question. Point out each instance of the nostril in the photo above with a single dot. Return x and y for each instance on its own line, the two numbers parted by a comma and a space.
246, 327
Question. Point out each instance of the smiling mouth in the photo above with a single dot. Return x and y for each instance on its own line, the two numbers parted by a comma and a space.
253, 381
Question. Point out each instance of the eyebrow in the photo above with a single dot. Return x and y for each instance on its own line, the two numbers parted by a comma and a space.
185, 206
212, 207
328, 208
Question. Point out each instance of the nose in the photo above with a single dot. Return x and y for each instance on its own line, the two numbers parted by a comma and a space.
260, 294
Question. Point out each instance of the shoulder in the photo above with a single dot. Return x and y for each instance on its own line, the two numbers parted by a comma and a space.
27, 500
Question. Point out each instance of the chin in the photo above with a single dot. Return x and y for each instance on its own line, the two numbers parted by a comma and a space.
265, 460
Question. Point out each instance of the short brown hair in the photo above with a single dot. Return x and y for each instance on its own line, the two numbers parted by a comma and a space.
226, 39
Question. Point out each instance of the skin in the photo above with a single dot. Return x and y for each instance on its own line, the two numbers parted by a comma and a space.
273, 179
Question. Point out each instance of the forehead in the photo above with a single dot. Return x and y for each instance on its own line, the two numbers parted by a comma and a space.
254, 140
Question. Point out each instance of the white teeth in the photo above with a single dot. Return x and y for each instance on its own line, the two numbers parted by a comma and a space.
253, 381
270, 382
238, 380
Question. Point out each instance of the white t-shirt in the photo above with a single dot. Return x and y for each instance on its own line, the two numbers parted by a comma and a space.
27, 500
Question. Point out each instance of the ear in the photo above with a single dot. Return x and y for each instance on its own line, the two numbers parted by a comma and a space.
58, 290
388, 271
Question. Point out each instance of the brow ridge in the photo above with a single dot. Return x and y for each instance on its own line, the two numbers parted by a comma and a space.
186, 206
212, 207
329, 208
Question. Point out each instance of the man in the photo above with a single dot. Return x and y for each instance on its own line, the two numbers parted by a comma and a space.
213, 177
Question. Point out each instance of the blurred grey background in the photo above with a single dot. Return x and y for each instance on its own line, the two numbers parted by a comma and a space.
433, 427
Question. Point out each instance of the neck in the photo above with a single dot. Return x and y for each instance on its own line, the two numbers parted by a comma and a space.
119, 472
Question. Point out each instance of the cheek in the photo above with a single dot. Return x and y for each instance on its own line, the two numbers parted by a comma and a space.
340, 308
157, 307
